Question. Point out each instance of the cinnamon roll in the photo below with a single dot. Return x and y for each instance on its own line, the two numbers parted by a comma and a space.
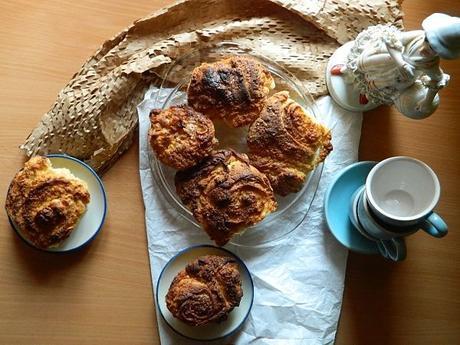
46, 203
206, 291
226, 194
181, 136
234, 89
286, 143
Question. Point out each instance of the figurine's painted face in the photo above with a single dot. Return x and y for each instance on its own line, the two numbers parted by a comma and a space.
426, 50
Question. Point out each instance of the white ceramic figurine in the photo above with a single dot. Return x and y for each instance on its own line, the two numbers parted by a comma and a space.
384, 65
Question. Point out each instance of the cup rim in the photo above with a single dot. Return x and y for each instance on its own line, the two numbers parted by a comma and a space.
383, 227
428, 209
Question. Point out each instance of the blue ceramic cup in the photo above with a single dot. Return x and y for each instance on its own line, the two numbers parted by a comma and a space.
402, 192
391, 244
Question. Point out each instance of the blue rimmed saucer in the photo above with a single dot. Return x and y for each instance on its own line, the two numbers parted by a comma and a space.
212, 331
336, 207
92, 220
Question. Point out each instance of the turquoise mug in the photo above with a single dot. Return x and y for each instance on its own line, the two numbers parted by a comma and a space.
401, 193
390, 240
391, 244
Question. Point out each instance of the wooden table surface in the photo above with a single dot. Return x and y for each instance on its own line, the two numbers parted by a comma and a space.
103, 294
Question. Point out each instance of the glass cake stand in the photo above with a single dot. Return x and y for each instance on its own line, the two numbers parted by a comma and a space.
293, 208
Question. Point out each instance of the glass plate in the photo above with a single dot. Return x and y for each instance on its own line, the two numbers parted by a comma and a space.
293, 208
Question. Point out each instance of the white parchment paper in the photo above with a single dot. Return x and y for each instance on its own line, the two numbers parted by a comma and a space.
298, 281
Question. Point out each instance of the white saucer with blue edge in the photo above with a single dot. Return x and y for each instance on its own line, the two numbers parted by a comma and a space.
93, 219
212, 331
336, 207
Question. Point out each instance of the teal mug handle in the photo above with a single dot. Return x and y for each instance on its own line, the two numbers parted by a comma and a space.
393, 249
434, 225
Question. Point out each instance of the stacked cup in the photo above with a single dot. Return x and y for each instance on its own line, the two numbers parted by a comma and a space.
397, 200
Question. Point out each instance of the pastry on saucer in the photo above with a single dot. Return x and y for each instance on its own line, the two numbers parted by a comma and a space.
45, 203
206, 291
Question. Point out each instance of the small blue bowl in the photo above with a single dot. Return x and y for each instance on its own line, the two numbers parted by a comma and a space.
212, 331
337, 207
92, 220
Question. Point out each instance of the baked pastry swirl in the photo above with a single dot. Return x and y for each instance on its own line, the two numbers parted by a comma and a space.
234, 89
285, 143
181, 136
46, 203
226, 194
207, 290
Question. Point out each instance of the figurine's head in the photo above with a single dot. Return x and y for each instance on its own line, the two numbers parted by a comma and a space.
443, 34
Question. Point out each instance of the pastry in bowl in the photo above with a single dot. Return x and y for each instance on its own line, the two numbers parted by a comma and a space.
286, 143
180, 136
206, 291
226, 194
46, 203
234, 89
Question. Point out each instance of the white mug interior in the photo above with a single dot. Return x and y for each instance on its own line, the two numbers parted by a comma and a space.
402, 189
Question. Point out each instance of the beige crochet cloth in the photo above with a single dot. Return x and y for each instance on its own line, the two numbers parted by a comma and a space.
94, 117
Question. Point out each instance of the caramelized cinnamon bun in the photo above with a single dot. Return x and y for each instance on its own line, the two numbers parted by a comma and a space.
46, 203
206, 291
181, 136
234, 89
286, 143
226, 194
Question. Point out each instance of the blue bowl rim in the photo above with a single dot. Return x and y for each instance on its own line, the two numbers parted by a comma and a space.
181, 252
101, 186
329, 191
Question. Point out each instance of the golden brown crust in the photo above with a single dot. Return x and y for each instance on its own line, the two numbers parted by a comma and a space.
226, 194
234, 89
45, 203
180, 136
286, 143
207, 290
